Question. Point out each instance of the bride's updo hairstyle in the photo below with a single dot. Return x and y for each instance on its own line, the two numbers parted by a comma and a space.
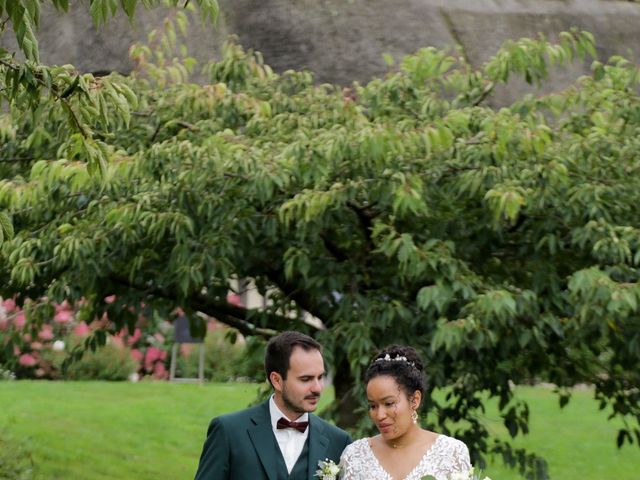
401, 363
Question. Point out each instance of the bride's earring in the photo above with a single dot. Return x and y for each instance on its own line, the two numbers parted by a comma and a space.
414, 416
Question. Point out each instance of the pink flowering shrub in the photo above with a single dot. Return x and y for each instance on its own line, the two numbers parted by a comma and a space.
148, 348
40, 349
33, 344
27, 360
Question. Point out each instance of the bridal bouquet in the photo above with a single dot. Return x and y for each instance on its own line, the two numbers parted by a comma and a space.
327, 470
470, 475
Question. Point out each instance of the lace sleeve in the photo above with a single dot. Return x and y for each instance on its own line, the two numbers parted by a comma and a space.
461, 461
345, 466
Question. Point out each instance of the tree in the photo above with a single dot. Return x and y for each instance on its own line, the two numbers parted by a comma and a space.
26, 84
23, 16
501, 243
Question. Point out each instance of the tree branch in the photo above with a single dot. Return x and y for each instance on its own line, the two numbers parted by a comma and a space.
302, 299
333, 248
365, 215
485, 93
231, 315
54, 91
16, 160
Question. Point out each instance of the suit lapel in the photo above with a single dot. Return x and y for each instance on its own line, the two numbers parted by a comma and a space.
318, 444
261, 435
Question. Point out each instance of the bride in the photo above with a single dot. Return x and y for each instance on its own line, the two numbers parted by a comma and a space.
403, 450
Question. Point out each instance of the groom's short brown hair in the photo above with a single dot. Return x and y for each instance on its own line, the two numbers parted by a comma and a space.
279, 348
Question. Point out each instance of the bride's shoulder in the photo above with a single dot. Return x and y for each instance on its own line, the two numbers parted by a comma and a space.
357, 446
451, 444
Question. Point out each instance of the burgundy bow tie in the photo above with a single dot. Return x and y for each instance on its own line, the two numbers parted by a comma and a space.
284, 423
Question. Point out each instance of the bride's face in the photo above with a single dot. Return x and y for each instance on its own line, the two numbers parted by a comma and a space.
389, 407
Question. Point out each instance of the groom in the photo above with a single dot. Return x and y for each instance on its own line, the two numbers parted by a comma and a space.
279, 439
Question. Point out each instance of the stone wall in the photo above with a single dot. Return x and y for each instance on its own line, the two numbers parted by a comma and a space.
343, 40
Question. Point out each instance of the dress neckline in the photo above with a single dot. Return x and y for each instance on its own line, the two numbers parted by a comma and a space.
413, 470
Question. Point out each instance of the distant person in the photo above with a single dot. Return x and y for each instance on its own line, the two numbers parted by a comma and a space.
280, 438
403, 450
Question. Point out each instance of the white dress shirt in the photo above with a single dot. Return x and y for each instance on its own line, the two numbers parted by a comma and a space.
290, 440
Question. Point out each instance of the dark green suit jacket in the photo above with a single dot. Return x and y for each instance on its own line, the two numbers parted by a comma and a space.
242, 446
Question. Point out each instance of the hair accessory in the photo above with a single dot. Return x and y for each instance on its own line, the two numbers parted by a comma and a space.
399, 358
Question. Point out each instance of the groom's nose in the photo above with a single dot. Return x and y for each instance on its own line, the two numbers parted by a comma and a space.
317, 386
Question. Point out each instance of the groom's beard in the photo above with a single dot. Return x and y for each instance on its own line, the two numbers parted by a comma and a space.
298, 407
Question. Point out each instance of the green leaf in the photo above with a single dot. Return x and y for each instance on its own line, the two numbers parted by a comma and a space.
209, 10
71, 87
61, 5
129, 7
437, 296
6, 227
623, 435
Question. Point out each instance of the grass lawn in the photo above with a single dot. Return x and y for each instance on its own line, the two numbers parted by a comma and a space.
115, 431
151, 431
578, 442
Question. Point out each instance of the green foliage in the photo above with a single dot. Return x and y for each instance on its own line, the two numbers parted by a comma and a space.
223, 361
108, 362
502, 243
15, 459
23, 16
6, 227
90, 105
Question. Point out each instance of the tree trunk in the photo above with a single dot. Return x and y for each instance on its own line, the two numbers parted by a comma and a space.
346, 400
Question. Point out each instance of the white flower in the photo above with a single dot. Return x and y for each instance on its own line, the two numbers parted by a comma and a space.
469, 475
460, 476
58, 345
134, 377
327, 470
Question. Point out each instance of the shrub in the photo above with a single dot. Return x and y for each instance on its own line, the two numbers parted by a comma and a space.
224, 361
15, 459
251, 365
149, 347
38, 347
110, 362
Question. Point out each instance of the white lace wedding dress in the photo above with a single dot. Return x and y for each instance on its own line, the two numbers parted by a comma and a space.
445, 457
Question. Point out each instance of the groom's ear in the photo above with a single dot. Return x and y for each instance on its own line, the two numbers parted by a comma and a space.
276, 380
